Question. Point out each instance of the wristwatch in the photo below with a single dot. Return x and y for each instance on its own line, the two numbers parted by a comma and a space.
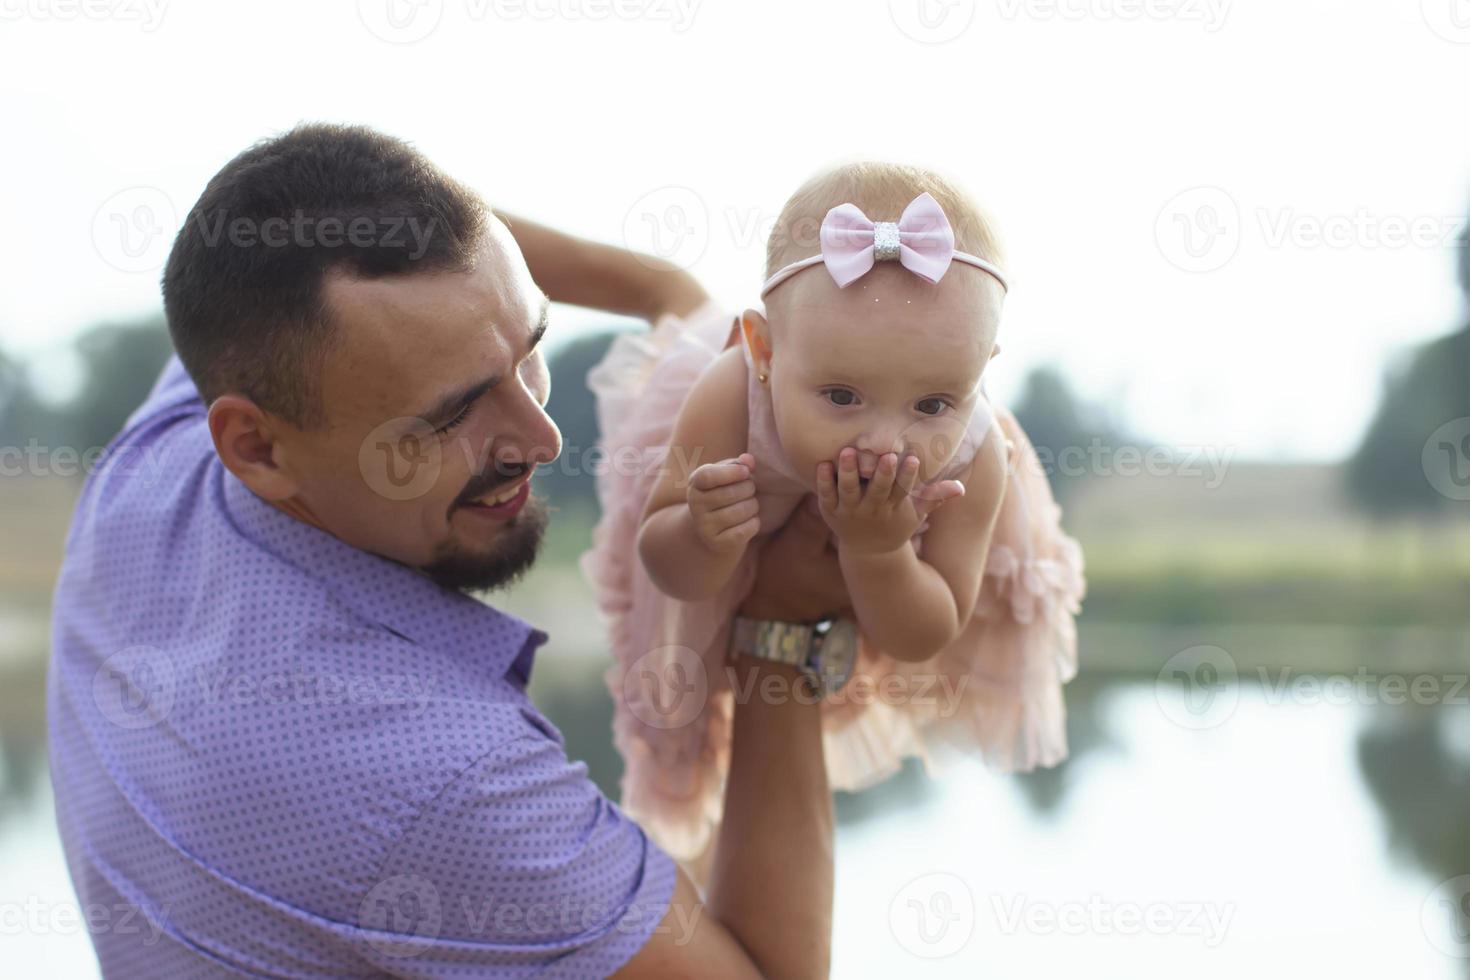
824, 651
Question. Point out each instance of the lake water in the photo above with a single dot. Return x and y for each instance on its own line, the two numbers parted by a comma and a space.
1289, 835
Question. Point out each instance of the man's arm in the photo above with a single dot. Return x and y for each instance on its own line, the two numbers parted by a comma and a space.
769, 909
585, 273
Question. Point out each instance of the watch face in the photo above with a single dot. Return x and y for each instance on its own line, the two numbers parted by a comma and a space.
836, 654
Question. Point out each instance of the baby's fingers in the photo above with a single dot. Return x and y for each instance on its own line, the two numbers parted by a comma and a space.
940, 494
881, 486
908, 478
712, 475
826, 486
849, 490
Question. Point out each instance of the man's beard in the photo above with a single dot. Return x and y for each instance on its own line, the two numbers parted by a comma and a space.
513, 553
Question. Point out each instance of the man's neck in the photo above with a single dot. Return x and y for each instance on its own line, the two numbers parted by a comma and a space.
298, 509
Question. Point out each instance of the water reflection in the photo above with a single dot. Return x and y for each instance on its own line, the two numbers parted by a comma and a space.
1142, 809
1416, 762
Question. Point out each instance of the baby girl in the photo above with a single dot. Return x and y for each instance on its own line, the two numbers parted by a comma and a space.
860, 387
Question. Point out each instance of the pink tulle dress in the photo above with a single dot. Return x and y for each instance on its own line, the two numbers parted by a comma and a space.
995, 691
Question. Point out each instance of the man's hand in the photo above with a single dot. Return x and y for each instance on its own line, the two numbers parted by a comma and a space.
884, 516
722, 500
798, 579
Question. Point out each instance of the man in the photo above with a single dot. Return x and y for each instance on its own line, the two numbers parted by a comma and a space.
284, 740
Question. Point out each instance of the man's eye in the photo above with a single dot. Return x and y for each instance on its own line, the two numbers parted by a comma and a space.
457, 421
932, 406
840, 396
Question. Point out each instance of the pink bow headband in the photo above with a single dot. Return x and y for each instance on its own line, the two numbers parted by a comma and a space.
921, 240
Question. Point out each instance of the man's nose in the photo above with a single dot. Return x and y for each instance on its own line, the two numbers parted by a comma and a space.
532, 440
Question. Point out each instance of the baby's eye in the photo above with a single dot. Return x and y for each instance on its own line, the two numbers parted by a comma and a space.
840, 396
932, 406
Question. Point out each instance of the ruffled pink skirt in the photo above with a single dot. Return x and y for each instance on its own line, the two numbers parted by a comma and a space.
995, 691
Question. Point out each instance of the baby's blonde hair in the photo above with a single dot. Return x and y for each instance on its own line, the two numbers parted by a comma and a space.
882, 191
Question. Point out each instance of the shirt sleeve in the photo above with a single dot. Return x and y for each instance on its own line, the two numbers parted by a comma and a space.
520, 867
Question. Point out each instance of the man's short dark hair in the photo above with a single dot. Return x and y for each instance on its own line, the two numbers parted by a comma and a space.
243, 286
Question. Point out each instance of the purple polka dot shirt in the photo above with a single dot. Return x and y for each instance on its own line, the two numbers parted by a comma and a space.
277, 755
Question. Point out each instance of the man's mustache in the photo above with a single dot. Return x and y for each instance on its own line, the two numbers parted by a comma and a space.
499, 475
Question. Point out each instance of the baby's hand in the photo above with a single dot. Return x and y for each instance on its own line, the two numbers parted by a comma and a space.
885, 515
722, 500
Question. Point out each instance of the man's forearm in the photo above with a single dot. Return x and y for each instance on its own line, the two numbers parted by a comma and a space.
585, 273
772, 877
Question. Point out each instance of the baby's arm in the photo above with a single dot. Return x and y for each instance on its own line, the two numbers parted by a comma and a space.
701, 515
911, 608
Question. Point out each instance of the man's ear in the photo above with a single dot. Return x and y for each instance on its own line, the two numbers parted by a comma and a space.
756, 332
247, 440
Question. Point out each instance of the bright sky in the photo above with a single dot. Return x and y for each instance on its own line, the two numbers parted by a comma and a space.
1223, 218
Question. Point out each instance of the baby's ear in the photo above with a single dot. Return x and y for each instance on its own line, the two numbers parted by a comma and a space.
994, 351
755, 331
